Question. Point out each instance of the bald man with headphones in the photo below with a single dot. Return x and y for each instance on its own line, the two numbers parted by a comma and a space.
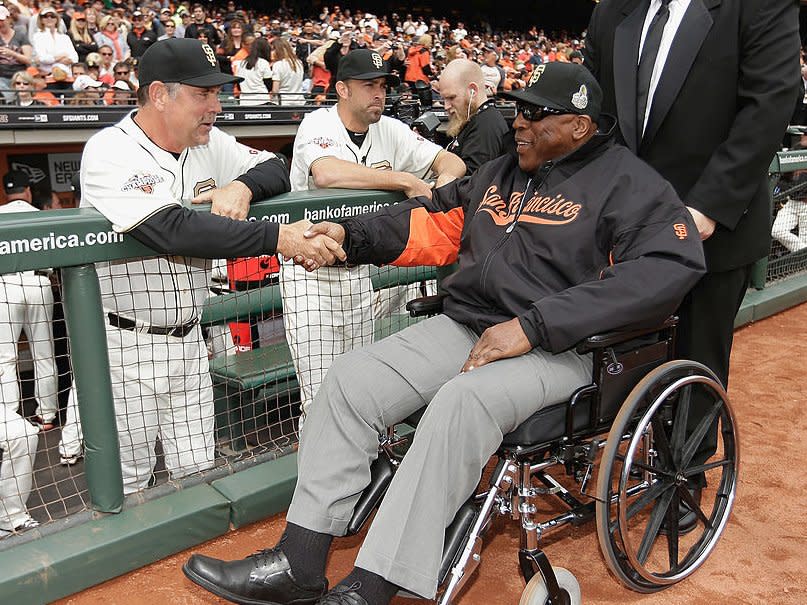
475, 126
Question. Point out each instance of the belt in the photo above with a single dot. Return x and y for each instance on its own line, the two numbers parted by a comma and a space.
123, 323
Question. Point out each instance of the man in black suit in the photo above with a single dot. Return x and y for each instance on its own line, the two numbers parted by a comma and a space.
703, 90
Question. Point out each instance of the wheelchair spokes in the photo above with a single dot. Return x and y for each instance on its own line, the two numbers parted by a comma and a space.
646, 482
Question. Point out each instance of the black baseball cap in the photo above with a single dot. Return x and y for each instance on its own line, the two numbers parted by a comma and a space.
15, 179
567, 87
364, 64
185, 60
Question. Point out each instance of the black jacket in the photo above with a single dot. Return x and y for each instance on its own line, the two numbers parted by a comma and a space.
482, 138
727, 91
592, 242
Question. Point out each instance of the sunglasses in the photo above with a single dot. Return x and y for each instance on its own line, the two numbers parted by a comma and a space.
106, 54
536, 113
121, 73
48, 16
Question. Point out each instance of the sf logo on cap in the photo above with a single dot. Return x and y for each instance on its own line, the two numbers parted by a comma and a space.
377, 60
536, 74
211, 56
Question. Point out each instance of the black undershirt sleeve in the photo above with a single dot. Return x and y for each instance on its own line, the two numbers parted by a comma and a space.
267, 179
185, 232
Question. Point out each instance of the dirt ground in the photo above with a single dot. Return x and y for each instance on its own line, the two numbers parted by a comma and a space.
760, 560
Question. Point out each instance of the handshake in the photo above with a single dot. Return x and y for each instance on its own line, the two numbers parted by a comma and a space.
312, 246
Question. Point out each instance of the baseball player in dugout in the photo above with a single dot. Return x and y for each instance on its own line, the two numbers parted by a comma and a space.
566, 235
477, 128
142, 174
350, 145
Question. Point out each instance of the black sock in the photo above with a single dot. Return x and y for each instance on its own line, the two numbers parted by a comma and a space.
372, 587
307, 552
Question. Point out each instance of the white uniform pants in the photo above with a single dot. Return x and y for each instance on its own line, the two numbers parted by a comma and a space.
70, 443
18, 441
26, 303
325, 313
161, 386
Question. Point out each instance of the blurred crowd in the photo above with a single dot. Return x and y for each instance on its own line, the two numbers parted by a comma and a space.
85, 52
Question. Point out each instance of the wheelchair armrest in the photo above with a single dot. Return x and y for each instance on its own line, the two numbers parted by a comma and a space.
425, 305
608, 339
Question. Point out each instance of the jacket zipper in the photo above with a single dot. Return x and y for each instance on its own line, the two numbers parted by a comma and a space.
547, 169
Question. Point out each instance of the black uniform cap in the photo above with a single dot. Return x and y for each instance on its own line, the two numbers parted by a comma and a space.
185, 60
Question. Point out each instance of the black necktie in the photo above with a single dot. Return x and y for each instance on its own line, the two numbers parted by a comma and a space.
647, 61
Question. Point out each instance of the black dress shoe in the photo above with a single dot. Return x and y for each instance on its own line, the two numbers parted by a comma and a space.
687, 518
343, 595
264, 578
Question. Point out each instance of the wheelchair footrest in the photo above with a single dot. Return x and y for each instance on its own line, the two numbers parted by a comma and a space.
381, 473
456, 536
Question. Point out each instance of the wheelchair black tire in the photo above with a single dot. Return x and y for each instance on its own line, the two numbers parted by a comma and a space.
658, 404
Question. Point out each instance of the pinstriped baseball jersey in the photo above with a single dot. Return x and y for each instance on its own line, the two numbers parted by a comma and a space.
128, 178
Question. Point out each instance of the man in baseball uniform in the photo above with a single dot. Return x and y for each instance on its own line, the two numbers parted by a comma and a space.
142, 174
350, 145
26, 304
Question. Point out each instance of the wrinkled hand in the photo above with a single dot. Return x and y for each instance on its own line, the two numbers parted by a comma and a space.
311, 251
231, 201
501, 341
705, 225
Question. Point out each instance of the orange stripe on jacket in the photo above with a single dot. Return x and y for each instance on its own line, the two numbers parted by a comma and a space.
434, 238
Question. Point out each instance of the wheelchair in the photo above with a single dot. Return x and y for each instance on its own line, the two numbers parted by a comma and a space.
630, 428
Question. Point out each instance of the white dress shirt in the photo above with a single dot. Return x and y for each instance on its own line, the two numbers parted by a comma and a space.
677, 10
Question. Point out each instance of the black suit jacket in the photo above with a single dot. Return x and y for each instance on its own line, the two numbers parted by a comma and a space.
719, 112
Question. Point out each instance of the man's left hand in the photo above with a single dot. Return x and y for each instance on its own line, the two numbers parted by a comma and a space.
231, 201
498, 342
706, 226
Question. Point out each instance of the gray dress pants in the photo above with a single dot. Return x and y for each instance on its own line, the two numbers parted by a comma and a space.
369, 389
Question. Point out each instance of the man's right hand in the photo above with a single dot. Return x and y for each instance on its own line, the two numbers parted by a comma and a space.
309, 250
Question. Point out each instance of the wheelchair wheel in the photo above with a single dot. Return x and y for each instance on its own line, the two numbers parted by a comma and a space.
647, 472
536, 593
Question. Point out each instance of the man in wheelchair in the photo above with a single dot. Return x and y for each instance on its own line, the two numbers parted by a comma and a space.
567, 236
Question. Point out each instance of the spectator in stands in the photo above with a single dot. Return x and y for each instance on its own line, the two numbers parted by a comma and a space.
320, 76
15, 53
491, 72
122, 92
231, 43
141, 37
92, 20
477, 128
200, 23
350, 145
306, 43
419, 66
18, 443
256, 71
184, 22
27, 307
335, 52
82, 37
287, 74
86, 91
52, 48
22, 85
105, 62
170, 30
114, 38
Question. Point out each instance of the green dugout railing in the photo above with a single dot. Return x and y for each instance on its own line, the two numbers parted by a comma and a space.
73, 240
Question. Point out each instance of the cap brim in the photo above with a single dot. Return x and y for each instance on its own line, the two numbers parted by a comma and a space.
532, 99
210, 80
392, 79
